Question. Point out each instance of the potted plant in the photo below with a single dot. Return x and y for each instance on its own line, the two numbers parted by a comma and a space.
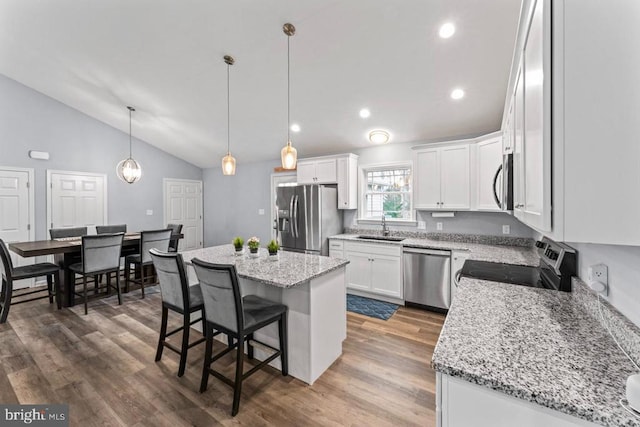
237, 243
273, 247
254, 244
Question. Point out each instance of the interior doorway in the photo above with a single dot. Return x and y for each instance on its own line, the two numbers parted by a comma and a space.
183, 205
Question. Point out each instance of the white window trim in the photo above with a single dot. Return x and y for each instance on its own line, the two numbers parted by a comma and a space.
362, 188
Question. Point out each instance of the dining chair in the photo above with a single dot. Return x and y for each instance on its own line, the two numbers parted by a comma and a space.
110, 229
177, 296
175, 229
11, 274
239, 317
65, 233
152, 239
100, 255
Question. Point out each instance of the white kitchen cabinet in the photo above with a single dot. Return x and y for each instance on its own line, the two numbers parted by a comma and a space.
374, 268
442, 177
507, 135
518, 147
460, 403
347, 175
488, 161
336, 248
317, 171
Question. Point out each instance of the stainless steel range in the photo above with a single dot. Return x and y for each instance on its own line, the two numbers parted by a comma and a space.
558, 264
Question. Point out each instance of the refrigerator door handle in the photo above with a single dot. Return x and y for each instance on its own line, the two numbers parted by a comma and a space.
495, 188
276, 226
295, 216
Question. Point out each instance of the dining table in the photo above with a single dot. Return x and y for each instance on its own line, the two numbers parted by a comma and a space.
67, 251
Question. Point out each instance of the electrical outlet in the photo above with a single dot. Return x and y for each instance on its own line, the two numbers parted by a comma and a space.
422, 225
598, 276
439, 226
149, 212
260, 211
506, 229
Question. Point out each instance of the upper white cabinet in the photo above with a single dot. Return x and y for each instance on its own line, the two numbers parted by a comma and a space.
347, 182
341, 170
442, 177
518, 147
488, 174
507, 136
318, 171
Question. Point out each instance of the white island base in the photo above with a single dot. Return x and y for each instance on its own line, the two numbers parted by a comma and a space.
316, 322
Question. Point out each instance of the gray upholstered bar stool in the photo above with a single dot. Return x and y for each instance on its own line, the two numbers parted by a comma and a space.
153, 239
10, 274
178, 296
67, 233
175, 229
239, 317
100, 255
110, 229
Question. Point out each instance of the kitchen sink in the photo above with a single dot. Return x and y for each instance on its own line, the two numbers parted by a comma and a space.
384, 238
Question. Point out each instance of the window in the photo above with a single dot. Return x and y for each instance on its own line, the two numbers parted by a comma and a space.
387, 192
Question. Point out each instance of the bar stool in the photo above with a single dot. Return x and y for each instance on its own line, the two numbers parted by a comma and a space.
154, 239
100, 255
178, 296
238, 317
175, 229
11, 274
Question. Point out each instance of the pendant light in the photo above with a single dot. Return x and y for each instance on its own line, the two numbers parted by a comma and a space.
228, 161
128, 169
289, 155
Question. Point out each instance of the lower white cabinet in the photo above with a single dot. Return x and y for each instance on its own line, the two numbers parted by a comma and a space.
460, 403
374, 268
336, 248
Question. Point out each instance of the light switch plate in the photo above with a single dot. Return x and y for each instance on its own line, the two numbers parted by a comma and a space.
506, 229
422, 225
260, 211
149, 212
439, 226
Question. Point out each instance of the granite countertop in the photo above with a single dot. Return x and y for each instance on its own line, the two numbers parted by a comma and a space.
287, 270
518, 255
538, 345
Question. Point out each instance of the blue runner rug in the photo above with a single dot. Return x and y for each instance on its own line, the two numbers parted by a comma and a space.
370, 307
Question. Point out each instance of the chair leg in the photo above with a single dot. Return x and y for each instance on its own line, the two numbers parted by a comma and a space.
208, 332
237, 385
143, 278
108, 283
163, 333
185, 343
7, 286
249, 346
84, 289
127, 272
50, 287
57, 289
282, 332
96, 281
118, 288
229, 341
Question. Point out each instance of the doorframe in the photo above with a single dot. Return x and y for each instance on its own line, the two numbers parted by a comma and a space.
165, 207
287, 177
63, 172
31, 197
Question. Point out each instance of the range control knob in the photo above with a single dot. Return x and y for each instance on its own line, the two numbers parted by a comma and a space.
540, 244
553, 255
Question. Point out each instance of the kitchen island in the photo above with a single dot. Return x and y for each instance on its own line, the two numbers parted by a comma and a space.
314, 289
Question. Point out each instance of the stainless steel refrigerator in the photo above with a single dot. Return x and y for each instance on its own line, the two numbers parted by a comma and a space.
306, 215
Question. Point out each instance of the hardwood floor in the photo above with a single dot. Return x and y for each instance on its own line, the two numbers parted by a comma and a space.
102, 365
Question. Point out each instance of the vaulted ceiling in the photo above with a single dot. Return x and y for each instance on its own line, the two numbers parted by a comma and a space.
165, 58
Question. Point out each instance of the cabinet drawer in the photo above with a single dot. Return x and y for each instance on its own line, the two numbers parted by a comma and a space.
373, 249
336, 244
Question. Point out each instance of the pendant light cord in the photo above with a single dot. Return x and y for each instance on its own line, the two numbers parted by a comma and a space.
129, 132
288, 93
228, 111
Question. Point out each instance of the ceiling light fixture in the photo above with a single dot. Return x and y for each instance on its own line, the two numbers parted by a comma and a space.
457, 94
129, 170
295, 127
228, 161
364, 113
379, 136
288, 155
447, 30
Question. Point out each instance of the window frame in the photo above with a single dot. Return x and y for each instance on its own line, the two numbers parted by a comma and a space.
362, 191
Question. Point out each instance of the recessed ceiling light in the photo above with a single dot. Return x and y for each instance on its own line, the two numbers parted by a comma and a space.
295, 127
379, 136
364, 113
457, 94
447, 30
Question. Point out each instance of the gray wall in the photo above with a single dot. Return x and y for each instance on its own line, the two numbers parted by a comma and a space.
30, 120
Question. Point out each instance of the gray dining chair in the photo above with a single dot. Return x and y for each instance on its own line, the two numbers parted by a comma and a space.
175, 229
152, 239
11, 274
100, 255
110, 229
239, 317
65, 233
177, 296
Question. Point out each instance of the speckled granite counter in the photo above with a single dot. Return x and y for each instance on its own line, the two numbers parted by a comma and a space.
518, 255
287, 270
538, 345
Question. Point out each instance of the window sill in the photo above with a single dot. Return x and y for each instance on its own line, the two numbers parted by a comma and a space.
400, 222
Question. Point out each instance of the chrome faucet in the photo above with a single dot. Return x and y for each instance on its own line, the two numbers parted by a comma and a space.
385, 230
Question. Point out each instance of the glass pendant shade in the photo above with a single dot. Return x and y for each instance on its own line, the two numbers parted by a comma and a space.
289, 157
228, 165
129, 170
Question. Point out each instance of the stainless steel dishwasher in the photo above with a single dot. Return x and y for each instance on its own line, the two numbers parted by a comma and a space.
427, 278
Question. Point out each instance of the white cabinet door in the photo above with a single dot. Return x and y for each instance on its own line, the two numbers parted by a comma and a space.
386, 276
326, 172
454, 175
306, 172
358, 270
507, 135
427, 182
518, 148
347, 175
489, 160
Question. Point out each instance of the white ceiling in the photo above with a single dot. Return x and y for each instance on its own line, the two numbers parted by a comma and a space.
164, 57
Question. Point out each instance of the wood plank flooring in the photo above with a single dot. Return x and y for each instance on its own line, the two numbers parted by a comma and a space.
102, 365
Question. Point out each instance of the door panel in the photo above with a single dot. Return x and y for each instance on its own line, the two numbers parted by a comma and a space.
183, 205
284, 195
454, 165
386, 276
358, 271
326, 172
76, 200
428, 179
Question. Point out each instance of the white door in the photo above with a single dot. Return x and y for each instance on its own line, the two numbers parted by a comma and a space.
427, 183
454, 175
76, 199
183, 205
16, 212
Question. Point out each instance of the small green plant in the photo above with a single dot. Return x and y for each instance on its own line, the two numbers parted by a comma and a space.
253, 243
273, 247
238, 242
